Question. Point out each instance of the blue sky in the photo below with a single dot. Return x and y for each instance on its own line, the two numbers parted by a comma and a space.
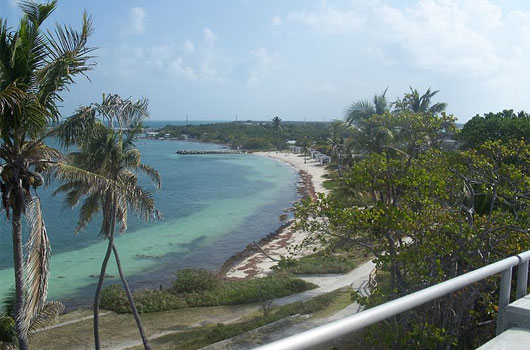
300, 59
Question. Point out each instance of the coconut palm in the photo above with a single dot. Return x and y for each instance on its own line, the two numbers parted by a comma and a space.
277, 124
413, 102
111, 154
368, 123
360, 111
35, 67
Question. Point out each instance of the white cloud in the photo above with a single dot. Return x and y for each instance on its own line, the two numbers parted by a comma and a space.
265, 63
209, 37
189, 46
276, 21
330, 20
137, 20
178, 67
472, 36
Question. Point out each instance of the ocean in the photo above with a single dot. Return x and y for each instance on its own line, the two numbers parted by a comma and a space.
212, 205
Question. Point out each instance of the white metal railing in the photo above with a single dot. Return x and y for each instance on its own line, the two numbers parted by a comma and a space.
381, 312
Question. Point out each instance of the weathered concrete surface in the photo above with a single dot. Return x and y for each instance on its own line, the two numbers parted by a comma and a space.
518, 314
513, 339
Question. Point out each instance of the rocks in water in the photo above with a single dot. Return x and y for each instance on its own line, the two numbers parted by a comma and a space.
208, 151
97, 276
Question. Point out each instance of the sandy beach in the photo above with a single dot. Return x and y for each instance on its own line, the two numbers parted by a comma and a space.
254, 262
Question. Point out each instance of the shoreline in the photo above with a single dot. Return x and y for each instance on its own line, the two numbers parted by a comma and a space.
252, 261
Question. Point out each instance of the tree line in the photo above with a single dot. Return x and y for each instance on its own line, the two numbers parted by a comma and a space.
254, 135
426, 212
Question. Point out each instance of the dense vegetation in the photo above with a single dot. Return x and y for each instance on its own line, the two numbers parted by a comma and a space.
427, 214
202, 288
320, 263
253, 135
503, 126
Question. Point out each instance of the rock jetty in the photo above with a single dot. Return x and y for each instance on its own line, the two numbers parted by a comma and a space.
208, 151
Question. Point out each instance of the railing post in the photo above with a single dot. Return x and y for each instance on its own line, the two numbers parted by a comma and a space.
522, 279
504, 297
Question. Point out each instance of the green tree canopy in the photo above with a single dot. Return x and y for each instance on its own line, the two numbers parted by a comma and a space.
504, 126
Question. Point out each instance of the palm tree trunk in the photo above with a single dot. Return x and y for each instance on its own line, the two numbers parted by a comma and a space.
131, 300
97, 294
19, 275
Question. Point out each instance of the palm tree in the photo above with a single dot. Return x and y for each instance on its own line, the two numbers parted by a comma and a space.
277, 124
413, 102
111, 154
306, 146
368, 123
360, 111
35, 67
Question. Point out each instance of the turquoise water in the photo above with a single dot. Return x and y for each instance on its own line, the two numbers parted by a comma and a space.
213, 206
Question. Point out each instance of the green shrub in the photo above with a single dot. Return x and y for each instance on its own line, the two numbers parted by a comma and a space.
148, 300
194, 280
7, 329
218, 293
316, 264
255, 290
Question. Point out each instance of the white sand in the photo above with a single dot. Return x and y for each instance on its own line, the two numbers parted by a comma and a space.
282, 245
314, 169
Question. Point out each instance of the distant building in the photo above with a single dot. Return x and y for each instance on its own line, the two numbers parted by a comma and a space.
324, 160
296, 149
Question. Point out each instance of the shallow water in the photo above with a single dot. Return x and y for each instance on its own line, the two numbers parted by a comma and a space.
213, 206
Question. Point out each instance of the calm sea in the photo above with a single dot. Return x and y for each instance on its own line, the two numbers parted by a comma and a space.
213, 206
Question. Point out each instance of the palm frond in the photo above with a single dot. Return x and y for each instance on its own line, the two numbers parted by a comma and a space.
37, 13
66, 172
37, 263
10, 98
141, 202
68, 56
90, 207
37, 151
359, 111
132, 158
153, 174
124, 112
82, 125
47, 316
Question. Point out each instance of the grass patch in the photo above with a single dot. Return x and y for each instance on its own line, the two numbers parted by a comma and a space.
317, 264
195, 339
200, 288
331, 184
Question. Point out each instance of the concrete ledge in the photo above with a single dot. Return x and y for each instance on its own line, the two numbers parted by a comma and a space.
513, 339
517, 314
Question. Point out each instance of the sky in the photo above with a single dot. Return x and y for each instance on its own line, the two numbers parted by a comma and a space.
300, 59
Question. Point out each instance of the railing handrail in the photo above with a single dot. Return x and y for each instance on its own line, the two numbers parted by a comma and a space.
381, 312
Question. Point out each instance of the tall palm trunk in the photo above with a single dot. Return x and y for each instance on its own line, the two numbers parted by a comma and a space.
19, 273
131, 300
101, 278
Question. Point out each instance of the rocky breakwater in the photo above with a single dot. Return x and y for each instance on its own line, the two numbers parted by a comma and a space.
210, 151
